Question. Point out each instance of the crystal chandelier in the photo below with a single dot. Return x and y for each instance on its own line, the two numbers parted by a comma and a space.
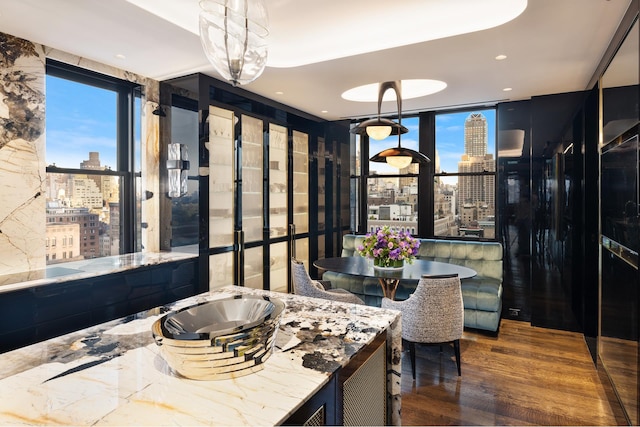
234, 37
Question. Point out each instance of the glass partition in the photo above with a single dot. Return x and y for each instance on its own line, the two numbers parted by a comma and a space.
618, 338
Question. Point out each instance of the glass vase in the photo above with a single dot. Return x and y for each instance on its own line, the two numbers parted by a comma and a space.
387, 263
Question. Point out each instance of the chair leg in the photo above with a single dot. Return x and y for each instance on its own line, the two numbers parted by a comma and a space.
456, 349
412, 357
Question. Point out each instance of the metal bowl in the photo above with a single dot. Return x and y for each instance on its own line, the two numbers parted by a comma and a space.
219, 339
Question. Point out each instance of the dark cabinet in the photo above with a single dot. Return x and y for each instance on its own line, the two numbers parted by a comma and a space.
42, 312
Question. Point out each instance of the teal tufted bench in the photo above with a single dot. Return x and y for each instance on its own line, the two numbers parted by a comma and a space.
482, 294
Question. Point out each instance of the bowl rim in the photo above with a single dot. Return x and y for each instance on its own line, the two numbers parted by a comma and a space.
159, 327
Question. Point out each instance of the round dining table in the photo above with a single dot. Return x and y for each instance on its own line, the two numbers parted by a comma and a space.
389, 278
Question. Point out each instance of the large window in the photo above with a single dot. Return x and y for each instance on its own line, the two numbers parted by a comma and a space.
464, 192
92, 157
391, 193
463, 173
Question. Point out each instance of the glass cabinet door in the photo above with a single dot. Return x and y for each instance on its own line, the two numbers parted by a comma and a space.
252, 208
300, 191
278, 207
221, 197
321, 198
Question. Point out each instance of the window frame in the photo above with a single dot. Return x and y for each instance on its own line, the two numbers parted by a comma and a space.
127, 93
426, 176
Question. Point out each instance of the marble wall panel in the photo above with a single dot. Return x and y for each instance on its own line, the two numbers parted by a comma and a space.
22, 112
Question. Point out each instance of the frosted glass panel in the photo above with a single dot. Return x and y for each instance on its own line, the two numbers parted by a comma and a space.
321, 182
301, 181
253, 268
220, 270
279, 267
278, 188
302, 251
221, 176
252, 179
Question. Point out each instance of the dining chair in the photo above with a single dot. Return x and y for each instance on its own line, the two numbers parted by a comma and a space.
433, 314
304, 285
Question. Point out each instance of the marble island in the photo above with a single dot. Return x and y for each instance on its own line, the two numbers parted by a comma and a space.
113, 373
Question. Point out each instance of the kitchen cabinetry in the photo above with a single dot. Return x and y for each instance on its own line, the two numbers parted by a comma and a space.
262, 181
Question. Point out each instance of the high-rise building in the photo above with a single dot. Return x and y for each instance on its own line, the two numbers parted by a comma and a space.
475, 135
476, 194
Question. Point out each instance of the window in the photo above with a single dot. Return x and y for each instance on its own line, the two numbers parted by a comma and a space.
391, 194
93, 130
461, 146
465, 176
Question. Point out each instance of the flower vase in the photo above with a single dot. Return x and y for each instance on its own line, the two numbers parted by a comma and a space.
388, 264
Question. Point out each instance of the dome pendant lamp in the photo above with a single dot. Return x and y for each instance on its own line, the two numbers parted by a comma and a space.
234, 37
397, 157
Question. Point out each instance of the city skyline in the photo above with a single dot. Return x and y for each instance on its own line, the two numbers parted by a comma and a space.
449, 141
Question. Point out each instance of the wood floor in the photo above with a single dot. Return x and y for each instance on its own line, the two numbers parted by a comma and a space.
523, 376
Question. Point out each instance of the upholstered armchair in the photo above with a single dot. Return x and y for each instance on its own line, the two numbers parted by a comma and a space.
304, 285
433, 314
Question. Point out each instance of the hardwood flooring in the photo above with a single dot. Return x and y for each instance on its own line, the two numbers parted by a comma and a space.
523, 376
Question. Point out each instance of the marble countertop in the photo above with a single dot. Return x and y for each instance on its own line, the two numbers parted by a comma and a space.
113, 374
57, 273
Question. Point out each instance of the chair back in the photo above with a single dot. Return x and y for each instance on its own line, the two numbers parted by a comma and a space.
435, 311
302, 283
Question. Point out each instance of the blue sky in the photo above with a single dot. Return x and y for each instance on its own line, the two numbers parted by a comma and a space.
79, 119
449, 139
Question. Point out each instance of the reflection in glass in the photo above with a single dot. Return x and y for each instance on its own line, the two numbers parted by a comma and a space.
618, 339
184, 210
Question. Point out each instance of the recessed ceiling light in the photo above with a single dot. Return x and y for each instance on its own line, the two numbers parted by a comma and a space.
501, 57
279, 92
507, 89
324, 111
120, 56
414, 88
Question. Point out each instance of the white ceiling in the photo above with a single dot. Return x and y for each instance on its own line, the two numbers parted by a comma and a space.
554, 46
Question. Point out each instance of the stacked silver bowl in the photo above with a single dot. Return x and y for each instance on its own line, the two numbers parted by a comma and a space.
219, 339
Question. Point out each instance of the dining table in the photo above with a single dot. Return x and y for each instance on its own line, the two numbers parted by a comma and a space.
389, 278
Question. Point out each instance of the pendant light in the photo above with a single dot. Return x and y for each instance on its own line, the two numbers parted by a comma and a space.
234, 37
397, 157
380, 128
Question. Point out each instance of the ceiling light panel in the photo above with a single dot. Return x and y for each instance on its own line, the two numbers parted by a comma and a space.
367, 26
323, 35
413, 88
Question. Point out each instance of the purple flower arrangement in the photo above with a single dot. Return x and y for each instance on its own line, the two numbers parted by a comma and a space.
389, 248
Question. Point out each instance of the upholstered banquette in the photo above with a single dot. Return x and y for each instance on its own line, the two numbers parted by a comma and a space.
482, 294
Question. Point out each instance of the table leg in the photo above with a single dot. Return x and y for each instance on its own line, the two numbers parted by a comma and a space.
389, 287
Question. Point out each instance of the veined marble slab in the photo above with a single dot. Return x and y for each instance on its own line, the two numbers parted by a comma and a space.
113, 374
83, 269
